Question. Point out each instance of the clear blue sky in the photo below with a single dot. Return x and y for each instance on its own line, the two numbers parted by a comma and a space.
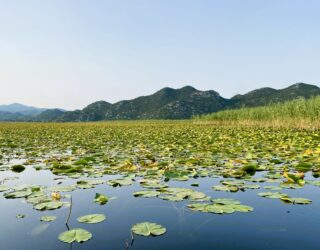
70, 53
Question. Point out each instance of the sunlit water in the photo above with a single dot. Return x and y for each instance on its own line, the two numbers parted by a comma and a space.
272, 224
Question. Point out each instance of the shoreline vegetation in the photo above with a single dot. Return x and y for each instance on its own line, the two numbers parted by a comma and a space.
299, 113
295, 114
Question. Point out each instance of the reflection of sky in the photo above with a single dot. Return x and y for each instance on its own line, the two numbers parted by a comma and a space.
70, 53
272, 225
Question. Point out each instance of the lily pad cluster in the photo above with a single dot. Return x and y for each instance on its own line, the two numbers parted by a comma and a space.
221, 206
156, 155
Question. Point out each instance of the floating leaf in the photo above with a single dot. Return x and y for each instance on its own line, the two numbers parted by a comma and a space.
75, 235
301, 201
48, 218
17, 194
101, 199
48, 205
148, 229
271, 195
3, 188
146, 193
212, 208
120, 182
92, 218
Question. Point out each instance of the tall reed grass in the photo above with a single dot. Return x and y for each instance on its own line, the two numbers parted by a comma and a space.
300, 111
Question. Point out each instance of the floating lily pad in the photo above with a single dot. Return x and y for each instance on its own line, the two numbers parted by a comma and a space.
146, 193
226, 188
212, 208
120, 182
92, 218
300, 201
3, 188
48, 205
148, 229
272, 195
101, 199
48, 218
17, 194
75, 235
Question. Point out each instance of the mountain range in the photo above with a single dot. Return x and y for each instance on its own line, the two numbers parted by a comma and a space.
167, 103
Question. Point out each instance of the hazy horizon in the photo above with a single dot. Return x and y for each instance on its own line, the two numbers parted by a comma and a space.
69, 54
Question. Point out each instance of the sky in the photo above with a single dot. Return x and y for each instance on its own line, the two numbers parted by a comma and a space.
68, 54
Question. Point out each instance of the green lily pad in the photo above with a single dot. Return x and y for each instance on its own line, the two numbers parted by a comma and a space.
17, 194
120, 182
148, 229
300, 201
101, 199
241, 208
75, 235
212, 208
3, 188
92, 218
226, 188
146, 193
226, 201
273, 188
48, 218
272, 195
62, 188
48, 205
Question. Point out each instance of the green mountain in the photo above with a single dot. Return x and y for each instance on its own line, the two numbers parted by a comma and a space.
167, 103
7, 116
48, 115
266, 96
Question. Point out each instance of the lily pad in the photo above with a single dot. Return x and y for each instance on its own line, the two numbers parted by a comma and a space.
146, 193
148, 229
300, 201
75, 235
101, 199
17, 194
272, 195
48, 205
120, 182
92, 218
3, 188
48, 218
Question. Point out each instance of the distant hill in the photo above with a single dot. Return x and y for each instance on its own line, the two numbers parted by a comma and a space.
49, 115
265, 96
7, 116
21, 109
167, 103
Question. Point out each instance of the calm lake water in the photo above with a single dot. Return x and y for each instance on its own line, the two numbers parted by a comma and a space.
272, 224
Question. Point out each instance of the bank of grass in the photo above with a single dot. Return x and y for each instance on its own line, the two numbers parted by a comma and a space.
300, 113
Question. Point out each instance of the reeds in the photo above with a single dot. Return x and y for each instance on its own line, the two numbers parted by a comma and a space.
296, 113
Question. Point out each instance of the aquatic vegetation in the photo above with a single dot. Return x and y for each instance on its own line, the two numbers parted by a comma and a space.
18, 168
101, 199
75, 235
148, 229
162, 161
92, 218
48, 218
